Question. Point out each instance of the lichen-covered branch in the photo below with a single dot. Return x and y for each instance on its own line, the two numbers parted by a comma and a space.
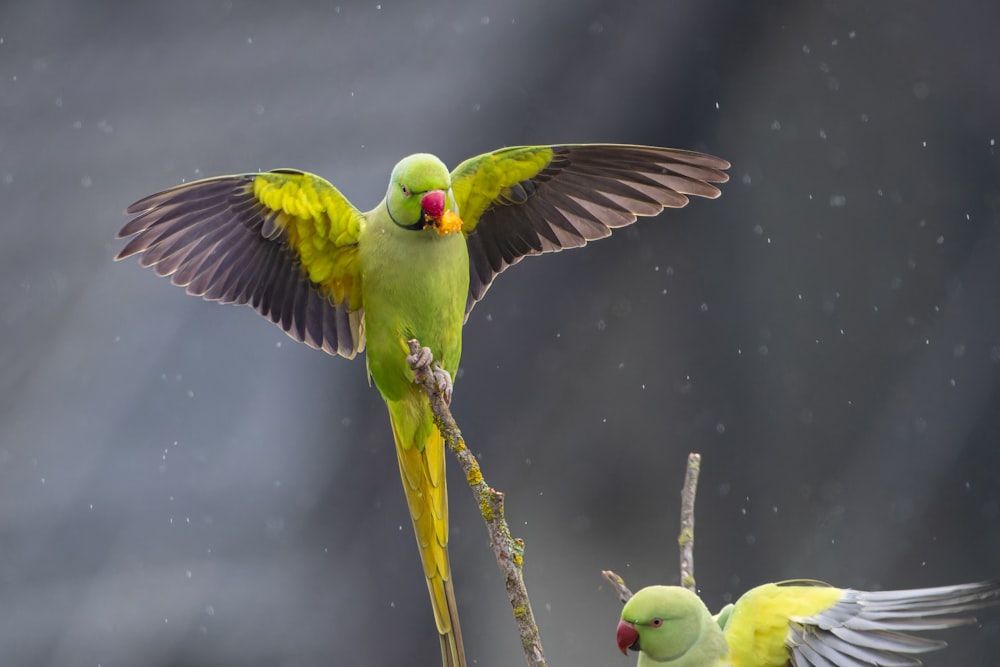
509, 551
685, 540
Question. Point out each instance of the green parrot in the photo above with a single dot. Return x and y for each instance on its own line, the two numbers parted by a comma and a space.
294, 248
795, 623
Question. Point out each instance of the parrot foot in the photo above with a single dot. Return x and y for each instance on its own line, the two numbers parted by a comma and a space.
442, 379
420, 361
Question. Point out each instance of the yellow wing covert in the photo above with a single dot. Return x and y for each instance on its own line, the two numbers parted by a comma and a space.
283, 241
758, 626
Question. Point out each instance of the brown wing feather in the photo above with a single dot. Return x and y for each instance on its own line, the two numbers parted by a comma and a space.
583, 193
219, 242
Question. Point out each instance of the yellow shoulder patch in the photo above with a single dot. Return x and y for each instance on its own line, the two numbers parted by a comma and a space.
319, 225
478, 181
758, 625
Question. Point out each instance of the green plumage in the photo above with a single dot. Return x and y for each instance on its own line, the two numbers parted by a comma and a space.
290, 245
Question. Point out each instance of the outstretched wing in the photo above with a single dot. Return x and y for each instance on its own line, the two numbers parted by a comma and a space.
871, 628
283, 241
810, 624
529, 200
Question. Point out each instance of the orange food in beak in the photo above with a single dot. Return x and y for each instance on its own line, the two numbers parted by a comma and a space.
448, 223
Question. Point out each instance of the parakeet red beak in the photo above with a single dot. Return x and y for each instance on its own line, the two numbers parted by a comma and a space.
627, 637
433, 204
445, 222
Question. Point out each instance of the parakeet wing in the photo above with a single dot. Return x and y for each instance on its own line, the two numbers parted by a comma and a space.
811, 624
283, 241
528, 200
870, 628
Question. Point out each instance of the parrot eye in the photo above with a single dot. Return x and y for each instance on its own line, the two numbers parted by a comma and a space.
406, 190
656, 622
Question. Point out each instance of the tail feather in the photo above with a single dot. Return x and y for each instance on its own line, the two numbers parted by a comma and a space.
420, 450
452, 648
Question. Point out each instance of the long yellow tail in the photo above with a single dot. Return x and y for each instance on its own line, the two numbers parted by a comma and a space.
421, 468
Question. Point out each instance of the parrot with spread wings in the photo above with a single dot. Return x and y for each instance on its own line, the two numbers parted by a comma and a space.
795, 624
290, 245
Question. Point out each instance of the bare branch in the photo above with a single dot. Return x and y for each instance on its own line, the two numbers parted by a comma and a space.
509, 551
686, 538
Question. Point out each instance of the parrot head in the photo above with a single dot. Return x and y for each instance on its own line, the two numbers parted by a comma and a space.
420, 196
670, 625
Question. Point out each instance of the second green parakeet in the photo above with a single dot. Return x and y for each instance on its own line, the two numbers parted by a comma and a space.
795, 623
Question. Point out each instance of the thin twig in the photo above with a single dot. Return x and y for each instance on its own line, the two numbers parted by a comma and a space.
617, 583
686, 539
509, 551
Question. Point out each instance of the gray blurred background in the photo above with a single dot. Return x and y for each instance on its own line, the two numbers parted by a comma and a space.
182, 485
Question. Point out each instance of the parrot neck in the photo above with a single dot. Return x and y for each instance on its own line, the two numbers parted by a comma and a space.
416, 226
381, 223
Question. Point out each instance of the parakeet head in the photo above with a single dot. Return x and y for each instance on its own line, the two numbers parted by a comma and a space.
668, 624
420, 195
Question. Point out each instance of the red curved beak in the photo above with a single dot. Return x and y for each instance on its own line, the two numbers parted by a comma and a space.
627, 637
433, 204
